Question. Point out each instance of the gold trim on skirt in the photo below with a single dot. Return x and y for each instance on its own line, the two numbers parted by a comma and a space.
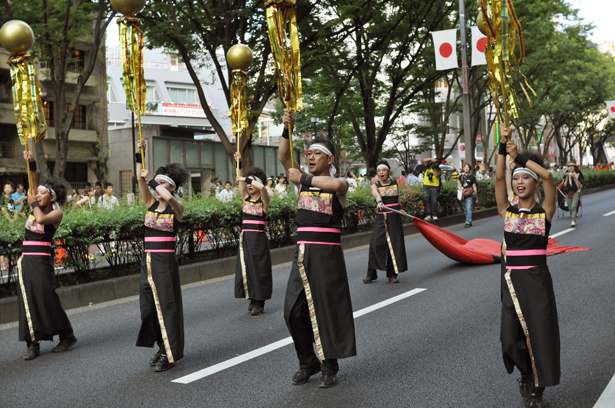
165, 337
310, 302
386, 230
244, 275
25, 300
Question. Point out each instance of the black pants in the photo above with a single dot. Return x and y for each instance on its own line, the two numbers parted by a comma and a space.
431, 200
303, 337
373, 273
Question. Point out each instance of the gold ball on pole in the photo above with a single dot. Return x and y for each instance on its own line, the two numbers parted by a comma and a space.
16, 36
239, 56
128, 7
480, 23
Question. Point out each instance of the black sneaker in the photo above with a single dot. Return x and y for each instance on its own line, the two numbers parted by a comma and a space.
34, 350
64, 344
156, 358
534, 402
303, 375
251, 305
393, 279
327, 380
163, 364
468, 225
259, 308
368, 279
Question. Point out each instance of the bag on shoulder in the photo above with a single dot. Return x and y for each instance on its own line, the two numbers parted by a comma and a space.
466, 192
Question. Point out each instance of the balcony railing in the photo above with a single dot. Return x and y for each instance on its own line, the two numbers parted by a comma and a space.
70, 68
161, 66
6, 99
75, 125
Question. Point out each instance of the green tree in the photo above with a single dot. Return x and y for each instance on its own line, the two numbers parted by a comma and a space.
63, 27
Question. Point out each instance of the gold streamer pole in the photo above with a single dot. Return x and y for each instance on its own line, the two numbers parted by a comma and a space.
239, 58
17, 38
284, 41
131, 44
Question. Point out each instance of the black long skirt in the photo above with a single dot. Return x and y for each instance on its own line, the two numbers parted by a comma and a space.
388, 234
253, 278
320, 272
41, 315
162, 314
528, 302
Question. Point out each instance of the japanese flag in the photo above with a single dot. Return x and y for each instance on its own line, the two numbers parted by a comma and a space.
445, 44
610, 105
479, 42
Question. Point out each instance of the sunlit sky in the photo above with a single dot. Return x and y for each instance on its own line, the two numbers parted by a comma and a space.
601, 13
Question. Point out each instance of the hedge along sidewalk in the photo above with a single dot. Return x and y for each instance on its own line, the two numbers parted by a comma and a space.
127, 286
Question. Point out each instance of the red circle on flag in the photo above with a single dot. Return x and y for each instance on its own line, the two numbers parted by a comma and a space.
481, 44
462, 148
612, 108
446, 50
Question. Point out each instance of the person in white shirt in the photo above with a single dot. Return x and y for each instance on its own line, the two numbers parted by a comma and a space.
281, 189
108, 200
88, 199
226, 195
413, 180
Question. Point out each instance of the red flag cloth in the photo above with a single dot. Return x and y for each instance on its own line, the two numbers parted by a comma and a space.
477, 251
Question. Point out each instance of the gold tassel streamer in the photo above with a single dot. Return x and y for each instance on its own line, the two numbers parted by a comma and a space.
504, 34
27, 103
282, 14
131, 44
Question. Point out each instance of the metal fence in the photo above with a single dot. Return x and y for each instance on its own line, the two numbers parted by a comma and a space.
9, 150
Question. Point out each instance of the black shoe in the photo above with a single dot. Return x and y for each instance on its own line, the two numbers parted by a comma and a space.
368, 279
303, 375
251, 305
64, 344
327, 380
468, 225
534, 402
163, 364
156, 358
393, 279
34, 350
259, 308
526, 385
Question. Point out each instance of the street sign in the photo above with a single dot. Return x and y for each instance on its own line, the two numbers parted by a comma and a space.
462, 151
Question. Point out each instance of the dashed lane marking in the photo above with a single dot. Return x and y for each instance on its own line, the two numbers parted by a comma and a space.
187, 379
566, 231
609, 213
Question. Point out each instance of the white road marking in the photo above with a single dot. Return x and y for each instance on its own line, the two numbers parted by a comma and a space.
566, 231
187, 379
609, 213
607, 399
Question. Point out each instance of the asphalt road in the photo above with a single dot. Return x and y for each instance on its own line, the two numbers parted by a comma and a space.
437, 348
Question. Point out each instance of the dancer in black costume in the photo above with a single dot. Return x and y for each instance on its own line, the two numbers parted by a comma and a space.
387, 248
530, 330
253, 278
162, 316
41, 315
317, 307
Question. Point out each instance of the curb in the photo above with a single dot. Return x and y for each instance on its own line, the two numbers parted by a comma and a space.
125, 286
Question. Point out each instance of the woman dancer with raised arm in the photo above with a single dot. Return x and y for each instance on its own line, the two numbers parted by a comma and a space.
41, 315
162, 316
317, 307
253, 278
530, 329
387, 248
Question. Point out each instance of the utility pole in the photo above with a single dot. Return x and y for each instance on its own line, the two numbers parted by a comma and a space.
467, 124
134, 164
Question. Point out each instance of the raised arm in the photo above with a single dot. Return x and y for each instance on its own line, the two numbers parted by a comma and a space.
339, 185
148, 198
501, 192
243, 189
284, 151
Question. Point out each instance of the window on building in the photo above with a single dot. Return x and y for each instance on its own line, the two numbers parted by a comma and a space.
48, 111
126, 180
161, 152
79, 122
73, 172
152, 95
183, 96
80, 114
76, 63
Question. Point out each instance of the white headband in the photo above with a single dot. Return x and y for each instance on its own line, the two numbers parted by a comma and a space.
322, 148
49, 190
165, 178
383, 166
256, 179
525, 170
